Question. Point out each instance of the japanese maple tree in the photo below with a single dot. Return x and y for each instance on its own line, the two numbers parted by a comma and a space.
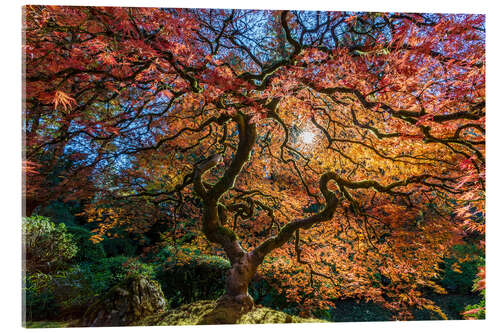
332, 149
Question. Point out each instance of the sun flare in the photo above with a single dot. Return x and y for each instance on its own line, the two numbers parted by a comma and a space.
307, 137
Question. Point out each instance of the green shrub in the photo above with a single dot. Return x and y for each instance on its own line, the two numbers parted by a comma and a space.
186, 275
74, 290
58, 212
112, 266
114, 247
354, 310
458, 277
107, 272
87, 250
39, 301
476, 311
452, 306
47, 247
265, 294
134, 266
59, 295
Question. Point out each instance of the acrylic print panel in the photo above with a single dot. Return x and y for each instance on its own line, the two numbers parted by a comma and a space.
209, 166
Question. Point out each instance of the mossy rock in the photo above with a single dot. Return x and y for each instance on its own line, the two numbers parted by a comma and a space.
202, 313
131, 300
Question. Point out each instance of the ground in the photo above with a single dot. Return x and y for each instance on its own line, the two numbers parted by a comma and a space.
196, 314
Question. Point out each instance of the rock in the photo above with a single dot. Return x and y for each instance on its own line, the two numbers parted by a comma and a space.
206, 313
131, 300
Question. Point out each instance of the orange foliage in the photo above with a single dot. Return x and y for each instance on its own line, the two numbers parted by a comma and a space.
396, 114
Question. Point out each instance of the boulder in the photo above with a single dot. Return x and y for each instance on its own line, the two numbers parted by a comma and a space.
131, 300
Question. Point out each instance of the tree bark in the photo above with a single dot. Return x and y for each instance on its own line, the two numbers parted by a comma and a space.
238, 279
236, 301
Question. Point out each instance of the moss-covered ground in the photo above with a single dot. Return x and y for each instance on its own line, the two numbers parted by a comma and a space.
196, 314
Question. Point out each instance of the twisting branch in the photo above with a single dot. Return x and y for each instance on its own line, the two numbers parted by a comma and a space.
289, 229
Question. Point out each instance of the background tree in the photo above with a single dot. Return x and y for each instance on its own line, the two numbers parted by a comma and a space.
330, 148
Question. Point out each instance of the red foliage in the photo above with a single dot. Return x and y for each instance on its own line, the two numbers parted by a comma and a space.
135, 99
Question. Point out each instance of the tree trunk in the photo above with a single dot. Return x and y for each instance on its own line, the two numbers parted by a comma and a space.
237, 280
236, 301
